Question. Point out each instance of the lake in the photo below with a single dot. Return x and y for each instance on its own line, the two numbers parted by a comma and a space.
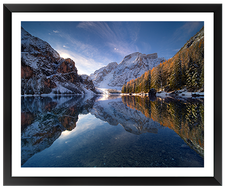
111, 131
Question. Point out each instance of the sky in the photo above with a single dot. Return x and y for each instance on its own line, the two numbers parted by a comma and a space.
93, 45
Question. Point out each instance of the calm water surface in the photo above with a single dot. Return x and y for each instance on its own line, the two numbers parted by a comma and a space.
111, 131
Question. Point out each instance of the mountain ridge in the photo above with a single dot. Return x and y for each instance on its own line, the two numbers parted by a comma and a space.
131, 67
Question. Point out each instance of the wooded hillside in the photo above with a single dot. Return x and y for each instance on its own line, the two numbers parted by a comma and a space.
184, 69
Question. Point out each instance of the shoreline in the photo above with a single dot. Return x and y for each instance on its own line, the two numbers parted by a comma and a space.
174, 94
182, 94
46, 95
162, 94
53, 95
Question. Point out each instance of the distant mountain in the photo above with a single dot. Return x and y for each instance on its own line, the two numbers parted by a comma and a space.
132, 66
43, 71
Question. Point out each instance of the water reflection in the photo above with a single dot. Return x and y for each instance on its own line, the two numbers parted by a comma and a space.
44, 118
116, 112
185, 116
111, 132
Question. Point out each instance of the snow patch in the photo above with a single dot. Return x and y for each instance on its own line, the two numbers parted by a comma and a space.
131, 67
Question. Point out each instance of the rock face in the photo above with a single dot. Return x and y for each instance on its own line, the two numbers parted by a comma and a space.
132, 66
43, 71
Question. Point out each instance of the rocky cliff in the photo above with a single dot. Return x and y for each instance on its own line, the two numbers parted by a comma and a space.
43, 71
132, 66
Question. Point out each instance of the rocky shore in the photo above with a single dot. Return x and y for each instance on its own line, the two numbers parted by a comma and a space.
180, 93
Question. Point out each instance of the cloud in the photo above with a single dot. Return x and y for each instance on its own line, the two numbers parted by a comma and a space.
121, 48
134, 31
80, 47
65, 46
185, 29
190, 26
100, 28
84, 65
120, 37
55, 31
88, 58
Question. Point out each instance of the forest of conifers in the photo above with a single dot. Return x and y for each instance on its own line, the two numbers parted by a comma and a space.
184, 70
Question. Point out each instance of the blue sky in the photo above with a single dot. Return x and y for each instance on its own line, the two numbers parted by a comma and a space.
93, 45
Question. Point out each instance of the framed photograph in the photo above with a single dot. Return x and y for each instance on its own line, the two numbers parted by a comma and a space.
106, 94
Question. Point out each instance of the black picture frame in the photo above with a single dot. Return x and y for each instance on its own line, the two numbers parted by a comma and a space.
216, 179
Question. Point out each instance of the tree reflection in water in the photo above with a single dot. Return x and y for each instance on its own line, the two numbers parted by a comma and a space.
185, 117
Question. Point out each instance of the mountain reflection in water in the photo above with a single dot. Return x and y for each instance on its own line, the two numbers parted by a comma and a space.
127, 131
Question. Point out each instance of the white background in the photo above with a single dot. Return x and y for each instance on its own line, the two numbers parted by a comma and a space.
208, 98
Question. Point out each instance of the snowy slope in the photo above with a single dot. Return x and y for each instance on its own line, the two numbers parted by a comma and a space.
43, 71
132, 66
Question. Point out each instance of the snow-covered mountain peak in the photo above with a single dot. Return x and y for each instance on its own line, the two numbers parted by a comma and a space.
112, 64
131, 67
109, 67
36, 45
24, 33
135, 57
135, 54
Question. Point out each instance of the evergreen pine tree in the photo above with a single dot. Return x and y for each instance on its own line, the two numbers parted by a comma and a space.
123, 89
178, 73
202, 78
